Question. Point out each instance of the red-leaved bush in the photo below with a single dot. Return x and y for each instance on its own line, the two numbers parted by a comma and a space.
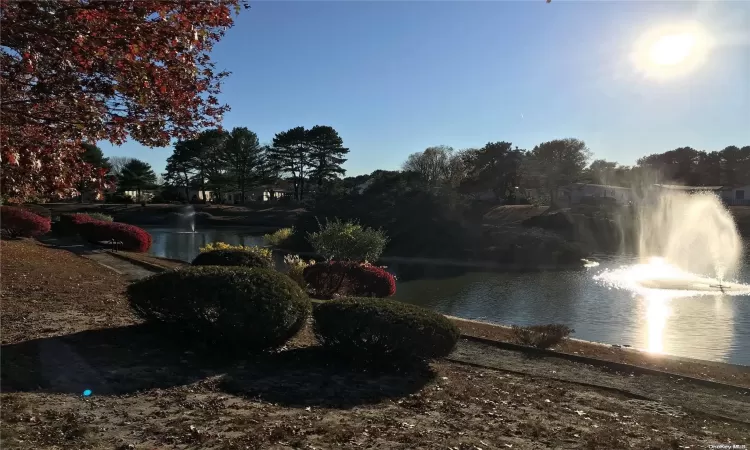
19, 222
132, 238
69, 223
345, 278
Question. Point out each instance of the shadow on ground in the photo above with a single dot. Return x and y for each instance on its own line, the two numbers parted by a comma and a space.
129, 359
311, 377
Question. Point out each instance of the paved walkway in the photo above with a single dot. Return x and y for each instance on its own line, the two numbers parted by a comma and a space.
104, 257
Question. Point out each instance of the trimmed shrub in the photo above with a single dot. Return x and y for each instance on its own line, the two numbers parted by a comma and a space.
69, 223
348, 279
132, 238
19, 222
264, 252
279, 237
234, 306
232, 258
383, 330
541, 336
339, 240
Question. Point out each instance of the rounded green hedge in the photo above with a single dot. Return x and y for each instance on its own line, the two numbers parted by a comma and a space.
379, 329
238, 307
232, 258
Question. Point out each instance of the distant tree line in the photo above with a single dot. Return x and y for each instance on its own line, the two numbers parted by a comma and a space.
235, 160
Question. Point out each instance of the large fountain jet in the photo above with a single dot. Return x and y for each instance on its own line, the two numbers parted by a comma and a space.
693, 232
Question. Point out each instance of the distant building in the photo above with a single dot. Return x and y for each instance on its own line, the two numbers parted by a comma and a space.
146, 194
259, 194
577, 193
736, 196
691, 189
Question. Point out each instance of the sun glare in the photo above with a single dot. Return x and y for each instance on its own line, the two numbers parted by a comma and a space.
671, 51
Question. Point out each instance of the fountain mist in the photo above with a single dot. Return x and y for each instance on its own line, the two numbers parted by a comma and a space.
695, 233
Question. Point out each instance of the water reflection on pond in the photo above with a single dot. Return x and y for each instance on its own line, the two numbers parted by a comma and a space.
713, 327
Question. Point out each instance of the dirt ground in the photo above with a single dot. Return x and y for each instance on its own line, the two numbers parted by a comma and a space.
66, 328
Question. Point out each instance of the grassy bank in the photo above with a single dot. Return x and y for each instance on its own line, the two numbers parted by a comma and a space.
66, 327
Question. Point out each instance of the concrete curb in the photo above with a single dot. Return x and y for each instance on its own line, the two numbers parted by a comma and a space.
146, 265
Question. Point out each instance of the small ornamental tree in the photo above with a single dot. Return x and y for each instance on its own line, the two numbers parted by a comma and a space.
348, 241
74, 71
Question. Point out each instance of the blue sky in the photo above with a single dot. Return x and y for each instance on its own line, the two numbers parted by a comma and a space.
396, 77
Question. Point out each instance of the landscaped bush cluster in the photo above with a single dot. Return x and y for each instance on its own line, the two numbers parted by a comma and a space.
348, 279
264, 252
541, 336
130, 237
19, 222
256, 308
94, 230
383, 330
279, 237
68, 224
348, 241
237, 307
242, 258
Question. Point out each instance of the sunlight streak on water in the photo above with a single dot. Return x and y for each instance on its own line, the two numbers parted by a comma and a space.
658, 283
659, 279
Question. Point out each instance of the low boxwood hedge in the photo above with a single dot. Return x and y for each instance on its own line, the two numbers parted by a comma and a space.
383, 330
237, 307
20, 222
232, 258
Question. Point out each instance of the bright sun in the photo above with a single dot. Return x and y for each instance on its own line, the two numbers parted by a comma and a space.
671, 51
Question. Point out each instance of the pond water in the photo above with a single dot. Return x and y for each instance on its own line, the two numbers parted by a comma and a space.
185, 245
711, 327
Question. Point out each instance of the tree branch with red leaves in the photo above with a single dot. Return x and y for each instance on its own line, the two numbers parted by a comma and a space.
74, 71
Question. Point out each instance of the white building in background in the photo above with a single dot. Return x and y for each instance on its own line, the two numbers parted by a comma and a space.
577, 193
737, 195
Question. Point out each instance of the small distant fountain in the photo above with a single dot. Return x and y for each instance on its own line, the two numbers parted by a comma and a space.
188, 217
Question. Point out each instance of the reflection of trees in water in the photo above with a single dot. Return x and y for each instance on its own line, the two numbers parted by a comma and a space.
518, 298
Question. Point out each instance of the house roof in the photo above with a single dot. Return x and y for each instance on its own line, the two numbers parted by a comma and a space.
678, 187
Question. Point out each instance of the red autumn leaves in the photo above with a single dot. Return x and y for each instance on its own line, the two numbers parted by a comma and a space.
101, 70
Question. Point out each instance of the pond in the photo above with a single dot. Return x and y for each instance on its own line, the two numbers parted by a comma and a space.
711, 327
185, 245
